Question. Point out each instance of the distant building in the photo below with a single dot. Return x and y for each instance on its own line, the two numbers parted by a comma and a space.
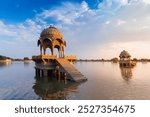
125, 59
114, 60
26, 58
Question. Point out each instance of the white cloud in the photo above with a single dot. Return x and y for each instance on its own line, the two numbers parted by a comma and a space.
84, 6
6, 30
107, 22
87, 30
120, 22
112, 4
21, 31
67, 14
146, 1
134, 20
19, 40
123, 2
145, 27
132, 27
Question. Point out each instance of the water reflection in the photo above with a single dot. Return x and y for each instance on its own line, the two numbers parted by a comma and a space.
27, 62
126, 73
105, 81
54, 89
4, 64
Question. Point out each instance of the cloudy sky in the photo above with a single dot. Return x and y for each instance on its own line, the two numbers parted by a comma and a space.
92, 28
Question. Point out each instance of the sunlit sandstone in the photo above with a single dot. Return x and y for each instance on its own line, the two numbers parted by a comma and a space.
7, 60
56, 64
125, 59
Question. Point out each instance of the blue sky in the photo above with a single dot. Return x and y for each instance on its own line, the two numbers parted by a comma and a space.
92, 28
19, 10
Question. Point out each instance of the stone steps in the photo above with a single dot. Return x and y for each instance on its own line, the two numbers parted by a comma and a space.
74, 74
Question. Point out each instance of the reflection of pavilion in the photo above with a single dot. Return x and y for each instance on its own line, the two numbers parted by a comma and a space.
54, 90
126, 72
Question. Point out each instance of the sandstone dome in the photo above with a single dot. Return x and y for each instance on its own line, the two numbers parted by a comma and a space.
52, 33
124, 54
51, 38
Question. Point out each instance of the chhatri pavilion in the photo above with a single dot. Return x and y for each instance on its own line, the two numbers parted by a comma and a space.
52, 38
52, 63
125, 59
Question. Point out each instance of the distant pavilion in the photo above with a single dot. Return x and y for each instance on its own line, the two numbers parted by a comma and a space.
125, 59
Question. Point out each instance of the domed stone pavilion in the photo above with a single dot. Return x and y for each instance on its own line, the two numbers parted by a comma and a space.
49, 65
125, 59
124, 55
52, 38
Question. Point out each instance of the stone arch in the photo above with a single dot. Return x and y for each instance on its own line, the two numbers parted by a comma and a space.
48, 50
38, 43
56, 42
47, 43
58, 49
59, 40
124, 64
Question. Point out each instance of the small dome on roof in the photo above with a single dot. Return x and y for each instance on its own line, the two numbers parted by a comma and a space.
124, 54
51, 32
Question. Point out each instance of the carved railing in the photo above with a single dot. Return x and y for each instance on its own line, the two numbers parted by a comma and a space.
44, 57
70, 57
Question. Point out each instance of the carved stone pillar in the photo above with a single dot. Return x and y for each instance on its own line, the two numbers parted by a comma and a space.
44, 51
52, 49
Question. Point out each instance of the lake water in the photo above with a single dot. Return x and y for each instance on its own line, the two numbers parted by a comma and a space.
106, 80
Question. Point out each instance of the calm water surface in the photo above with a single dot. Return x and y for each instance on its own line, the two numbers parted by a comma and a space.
106, 80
